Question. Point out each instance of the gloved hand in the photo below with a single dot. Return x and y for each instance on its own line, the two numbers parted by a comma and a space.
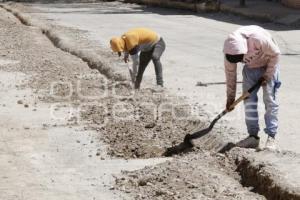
126, 59
229, 103
264, 80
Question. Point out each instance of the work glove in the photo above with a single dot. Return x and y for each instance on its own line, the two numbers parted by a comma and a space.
126, 58
229, 103
264, 80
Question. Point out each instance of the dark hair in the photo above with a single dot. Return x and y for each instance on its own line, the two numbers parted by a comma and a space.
235, 58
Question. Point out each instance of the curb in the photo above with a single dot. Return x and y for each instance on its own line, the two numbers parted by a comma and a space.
208, 6
288, 20
260, 17
216, 6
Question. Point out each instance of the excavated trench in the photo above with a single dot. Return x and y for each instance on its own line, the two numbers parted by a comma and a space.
262, 177
202, 173
93, 61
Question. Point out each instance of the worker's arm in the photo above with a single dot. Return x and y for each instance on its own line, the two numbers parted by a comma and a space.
134, 54
231, 76
126, 57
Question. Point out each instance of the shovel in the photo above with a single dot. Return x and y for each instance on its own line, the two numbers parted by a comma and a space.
187, 144
131, 74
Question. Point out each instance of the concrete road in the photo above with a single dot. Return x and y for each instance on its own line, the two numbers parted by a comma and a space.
193, 54
42, 155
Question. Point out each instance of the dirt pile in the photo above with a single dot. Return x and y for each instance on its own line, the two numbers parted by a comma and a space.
151, 121
133, 124
143, 125
267, 172
194, 176
93, 60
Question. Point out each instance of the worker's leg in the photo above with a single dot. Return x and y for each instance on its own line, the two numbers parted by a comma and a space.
145, 58
271, 104
250, 77
157, 52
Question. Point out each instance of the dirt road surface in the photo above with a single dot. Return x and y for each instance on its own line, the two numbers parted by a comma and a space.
193, 54
45, 154
71, 132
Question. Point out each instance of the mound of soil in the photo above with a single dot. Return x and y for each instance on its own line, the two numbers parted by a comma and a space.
200, 175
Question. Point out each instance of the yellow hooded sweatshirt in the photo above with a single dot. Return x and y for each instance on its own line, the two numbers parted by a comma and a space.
142, 37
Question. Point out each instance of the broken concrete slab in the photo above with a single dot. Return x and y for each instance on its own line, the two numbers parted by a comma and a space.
275, 175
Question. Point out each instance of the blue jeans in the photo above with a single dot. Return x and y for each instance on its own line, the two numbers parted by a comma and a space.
250, 77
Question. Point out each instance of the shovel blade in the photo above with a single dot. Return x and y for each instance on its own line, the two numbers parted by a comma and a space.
183, 147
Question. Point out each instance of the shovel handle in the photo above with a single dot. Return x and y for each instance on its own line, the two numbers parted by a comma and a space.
245, 95
254, 87
189, 137
241, 98
131, 74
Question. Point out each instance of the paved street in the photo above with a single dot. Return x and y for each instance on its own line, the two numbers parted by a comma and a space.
73, 128
193, 54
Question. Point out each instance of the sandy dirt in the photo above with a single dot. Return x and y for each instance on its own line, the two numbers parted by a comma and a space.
106, 119
194, 51
46, 150
196, 176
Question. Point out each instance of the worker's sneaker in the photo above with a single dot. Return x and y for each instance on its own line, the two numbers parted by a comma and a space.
249, 142
271, 144
158, 88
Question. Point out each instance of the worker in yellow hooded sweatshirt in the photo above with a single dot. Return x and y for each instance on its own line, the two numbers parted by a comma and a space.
142, 45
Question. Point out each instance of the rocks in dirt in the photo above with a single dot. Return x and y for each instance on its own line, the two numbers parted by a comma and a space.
45, 126
143, 181
160, 192
20, 102
150, 125
112, 188
268, 172
181, 179
143, 131
192, 176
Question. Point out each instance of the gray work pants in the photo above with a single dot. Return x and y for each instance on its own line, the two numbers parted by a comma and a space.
154, 54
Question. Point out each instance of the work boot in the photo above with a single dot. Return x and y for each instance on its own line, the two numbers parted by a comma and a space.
271, 144
249, 142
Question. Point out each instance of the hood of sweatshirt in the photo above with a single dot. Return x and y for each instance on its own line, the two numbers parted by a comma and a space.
117, 44
235, 44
